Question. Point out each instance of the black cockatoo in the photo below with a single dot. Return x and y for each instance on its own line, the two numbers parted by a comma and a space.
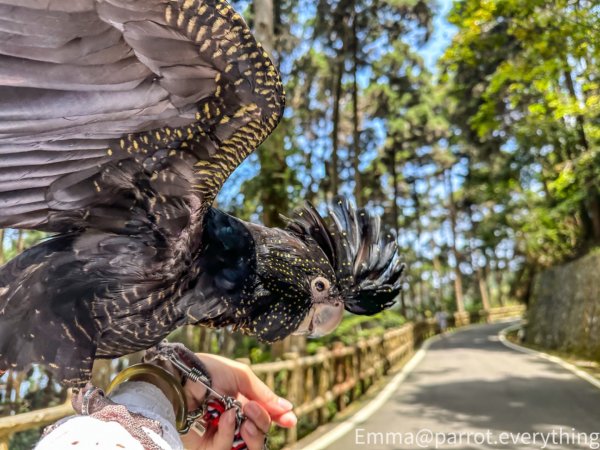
119, 122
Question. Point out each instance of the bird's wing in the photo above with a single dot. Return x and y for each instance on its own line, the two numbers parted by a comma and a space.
91, 86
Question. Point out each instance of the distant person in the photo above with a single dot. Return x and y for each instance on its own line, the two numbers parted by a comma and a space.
441, 318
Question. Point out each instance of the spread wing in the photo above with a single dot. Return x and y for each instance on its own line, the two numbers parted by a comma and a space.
98, 94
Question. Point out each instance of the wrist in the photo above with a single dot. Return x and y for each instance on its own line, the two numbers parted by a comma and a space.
147, 400
163, 386
162, 380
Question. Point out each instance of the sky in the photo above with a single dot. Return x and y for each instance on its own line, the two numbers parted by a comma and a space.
441, 36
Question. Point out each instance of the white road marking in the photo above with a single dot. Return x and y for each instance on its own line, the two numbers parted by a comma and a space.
555, 359
370, 408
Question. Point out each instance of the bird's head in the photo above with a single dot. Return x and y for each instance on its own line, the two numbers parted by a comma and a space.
308, 273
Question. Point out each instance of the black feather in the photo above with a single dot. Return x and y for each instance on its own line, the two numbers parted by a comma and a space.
366, 260
44, 298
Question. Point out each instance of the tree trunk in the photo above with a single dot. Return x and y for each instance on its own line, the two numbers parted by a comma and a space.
481, 281
337, 96
583, 142
229, 344
273, 194
403, 309
358, 193
417, 206
20, 241
487, 274
493, 269
395, 212
498, 276
2, 234
416, 307
205, 337
458, 286
437, 265
271, 154
264, 24
483, 289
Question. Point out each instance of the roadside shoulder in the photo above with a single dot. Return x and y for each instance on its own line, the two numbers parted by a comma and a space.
553, 358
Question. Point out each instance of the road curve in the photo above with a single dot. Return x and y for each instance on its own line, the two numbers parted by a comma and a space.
471, 392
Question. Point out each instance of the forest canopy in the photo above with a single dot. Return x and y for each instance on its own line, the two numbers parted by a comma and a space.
485, 161
472, 128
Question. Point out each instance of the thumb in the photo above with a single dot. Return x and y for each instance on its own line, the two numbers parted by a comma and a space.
253, 388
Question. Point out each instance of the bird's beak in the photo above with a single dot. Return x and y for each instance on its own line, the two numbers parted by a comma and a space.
322, 319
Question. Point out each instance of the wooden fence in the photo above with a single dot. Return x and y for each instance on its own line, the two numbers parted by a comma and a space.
507, 312
318, 385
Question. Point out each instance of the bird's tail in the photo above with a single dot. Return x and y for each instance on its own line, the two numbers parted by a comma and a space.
42, 317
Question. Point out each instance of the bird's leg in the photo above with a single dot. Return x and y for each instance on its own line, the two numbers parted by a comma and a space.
180, 361
91, 401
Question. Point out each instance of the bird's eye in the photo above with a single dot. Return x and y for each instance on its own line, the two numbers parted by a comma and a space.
320, 284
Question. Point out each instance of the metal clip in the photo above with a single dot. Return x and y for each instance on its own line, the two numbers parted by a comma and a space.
230, 402
191, 418
198, 377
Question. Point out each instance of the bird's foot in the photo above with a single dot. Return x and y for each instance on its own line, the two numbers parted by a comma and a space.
88, 399
179, 360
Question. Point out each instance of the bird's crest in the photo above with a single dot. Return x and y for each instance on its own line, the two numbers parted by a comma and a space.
366, 260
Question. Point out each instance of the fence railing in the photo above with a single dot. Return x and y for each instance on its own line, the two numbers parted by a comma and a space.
336, 376
506, 312
318, 385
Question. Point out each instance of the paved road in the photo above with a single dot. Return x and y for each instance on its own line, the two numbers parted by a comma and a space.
470, 382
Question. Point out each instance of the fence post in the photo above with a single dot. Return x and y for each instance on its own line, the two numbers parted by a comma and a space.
324, 383
462, 319
355, 370
338, 370
363, 363
485, 316
294, 393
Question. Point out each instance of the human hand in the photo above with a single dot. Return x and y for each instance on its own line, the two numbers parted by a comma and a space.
260, 405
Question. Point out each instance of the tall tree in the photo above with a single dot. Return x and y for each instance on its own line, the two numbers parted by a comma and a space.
273, 180
525, 77
458, 279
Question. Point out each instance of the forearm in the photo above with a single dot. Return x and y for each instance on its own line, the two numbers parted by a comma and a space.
113, 428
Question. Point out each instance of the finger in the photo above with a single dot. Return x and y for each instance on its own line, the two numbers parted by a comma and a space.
255, 426
242, 399
194, 393
286, 420
254, 389
223, 438
258, 415
252, 435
